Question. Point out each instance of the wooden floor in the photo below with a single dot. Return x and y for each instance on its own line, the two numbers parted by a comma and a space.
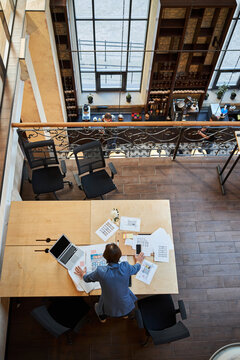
206, 227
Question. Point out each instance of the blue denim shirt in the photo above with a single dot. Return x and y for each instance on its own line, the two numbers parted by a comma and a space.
116, 299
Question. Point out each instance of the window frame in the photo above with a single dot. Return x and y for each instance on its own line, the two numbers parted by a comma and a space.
218, 70
123, 73
98, 82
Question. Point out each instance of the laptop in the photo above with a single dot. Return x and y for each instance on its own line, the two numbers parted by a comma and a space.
66, 253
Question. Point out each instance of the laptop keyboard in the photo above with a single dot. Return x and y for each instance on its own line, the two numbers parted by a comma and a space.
68, 254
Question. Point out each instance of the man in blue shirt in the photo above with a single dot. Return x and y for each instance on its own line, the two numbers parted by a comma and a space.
117, 299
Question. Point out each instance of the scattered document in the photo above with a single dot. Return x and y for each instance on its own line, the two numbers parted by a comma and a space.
161, 253
146, 272
160, 235
107, 230
129, 224
80, 284
146, 243
91, 259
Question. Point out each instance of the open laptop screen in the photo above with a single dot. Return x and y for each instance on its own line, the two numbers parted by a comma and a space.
60, 246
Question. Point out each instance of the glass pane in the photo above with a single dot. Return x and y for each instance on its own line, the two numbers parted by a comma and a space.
228, 78
111, 81
109, 9
108, 38
137, 43
133, 81
85, 43
86, 61
88, 81
83, 9
231, 59
140, 9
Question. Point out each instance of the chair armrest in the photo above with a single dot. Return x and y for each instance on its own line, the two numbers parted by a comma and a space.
173, 333
113, 169
25, 171
182, 309
139, 319
63, 167
78, 181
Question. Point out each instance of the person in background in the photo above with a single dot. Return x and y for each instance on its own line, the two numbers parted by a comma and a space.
116, 300
224, 111
206, 133
107, 117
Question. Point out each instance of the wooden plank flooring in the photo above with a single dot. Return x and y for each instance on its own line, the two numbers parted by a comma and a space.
206, 227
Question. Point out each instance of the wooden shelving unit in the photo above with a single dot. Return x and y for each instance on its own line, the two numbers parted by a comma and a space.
188, 34
62, 37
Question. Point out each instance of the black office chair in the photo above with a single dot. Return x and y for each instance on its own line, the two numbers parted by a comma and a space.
64, 315
89, 157
158, 316
46, 178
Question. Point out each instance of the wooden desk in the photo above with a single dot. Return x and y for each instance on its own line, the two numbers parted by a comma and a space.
31, 221
29, 271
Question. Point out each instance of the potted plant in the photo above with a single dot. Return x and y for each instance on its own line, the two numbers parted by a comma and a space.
128, 97
90, 99
221, 91
233, 95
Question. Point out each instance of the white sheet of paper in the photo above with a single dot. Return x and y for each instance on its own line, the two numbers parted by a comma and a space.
130, 224
107, 230
146, 243
129, 242
161, 253
160, 235
146, 272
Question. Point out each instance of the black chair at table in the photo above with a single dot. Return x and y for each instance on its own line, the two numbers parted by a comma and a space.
157, 315
64, 315
46, 178
89, 157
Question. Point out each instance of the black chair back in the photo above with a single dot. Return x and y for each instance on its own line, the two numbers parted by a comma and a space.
40, 153
89, 157
164, 312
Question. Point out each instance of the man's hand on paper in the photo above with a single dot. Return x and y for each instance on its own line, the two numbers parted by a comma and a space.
139, 258
78, 271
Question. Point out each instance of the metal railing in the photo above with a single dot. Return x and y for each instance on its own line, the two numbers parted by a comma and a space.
137, 139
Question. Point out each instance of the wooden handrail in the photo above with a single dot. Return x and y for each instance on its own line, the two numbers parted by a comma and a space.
31, 125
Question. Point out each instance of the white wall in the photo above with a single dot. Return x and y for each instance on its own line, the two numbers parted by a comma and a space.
10, 191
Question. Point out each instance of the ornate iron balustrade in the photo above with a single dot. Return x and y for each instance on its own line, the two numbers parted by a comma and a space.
137, 141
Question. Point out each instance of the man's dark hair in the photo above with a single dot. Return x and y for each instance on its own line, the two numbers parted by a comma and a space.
112, 253
108, 116
214, 117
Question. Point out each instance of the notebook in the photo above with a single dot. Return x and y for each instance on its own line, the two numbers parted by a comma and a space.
66, 253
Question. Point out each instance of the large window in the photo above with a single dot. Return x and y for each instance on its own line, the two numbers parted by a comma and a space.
228, 67
111, 37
